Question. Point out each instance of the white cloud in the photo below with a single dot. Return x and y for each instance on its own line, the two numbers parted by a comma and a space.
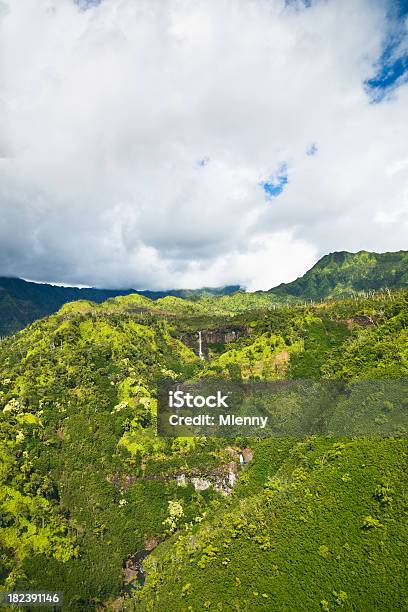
105, 114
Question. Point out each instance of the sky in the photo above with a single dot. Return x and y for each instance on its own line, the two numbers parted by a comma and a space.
185, 143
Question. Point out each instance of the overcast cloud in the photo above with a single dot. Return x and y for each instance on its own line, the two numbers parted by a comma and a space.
182, 143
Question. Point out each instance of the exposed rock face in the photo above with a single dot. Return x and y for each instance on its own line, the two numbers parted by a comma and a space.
201, 484
247, 454
222, 480
133, 569
360, 321
220, 335
151, 543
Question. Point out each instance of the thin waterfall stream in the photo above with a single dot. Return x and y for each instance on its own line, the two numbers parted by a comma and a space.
200, 346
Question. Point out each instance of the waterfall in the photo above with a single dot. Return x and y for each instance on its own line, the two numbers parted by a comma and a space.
241, 459
200, 346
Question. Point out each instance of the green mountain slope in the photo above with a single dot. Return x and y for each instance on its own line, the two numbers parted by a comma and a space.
341, 274
85, 482
321, 527
319, 524
77, 418
22, 302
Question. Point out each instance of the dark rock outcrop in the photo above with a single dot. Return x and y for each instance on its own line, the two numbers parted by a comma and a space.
212, 337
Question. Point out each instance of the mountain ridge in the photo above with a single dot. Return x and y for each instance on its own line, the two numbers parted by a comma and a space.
335, 275
22, 302
343, 273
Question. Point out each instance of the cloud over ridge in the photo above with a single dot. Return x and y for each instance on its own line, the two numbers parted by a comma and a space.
135, 138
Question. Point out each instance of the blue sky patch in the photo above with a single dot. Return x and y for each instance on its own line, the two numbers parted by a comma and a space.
392, 66
276, 183
299, 4
84, 5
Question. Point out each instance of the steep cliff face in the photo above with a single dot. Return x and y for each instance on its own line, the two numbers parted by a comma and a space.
211, 338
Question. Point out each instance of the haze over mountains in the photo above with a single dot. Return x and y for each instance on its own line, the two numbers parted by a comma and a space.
334, 275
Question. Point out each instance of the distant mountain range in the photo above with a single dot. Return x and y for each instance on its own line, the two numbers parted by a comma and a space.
22, 302
334, 275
